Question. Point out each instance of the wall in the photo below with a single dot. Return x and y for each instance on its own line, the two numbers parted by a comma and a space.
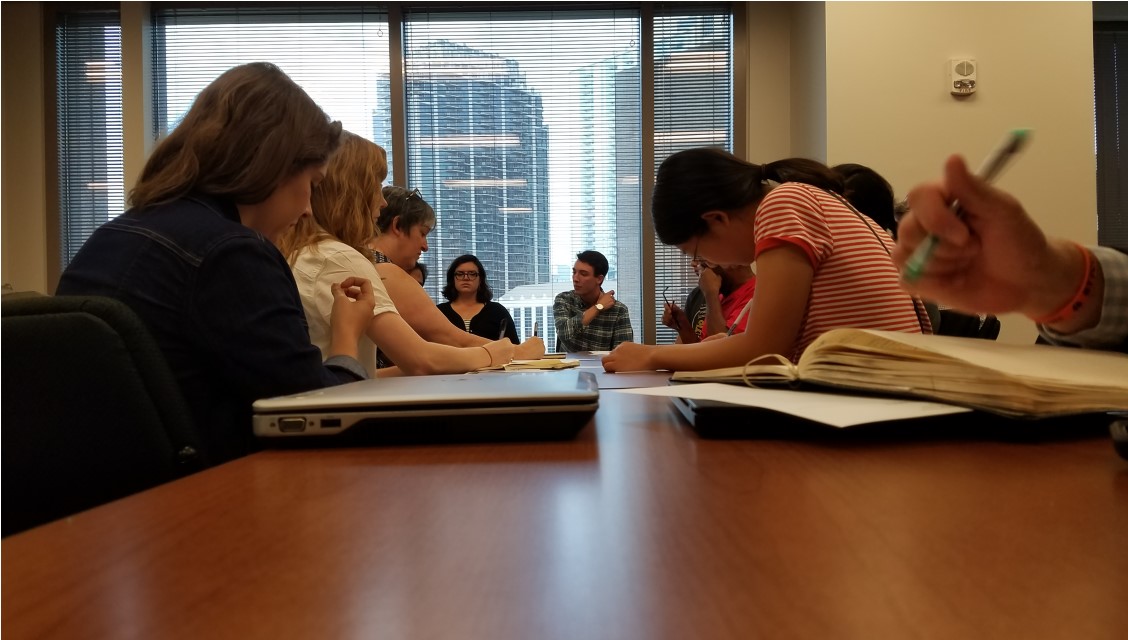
768, 119
888, 106
809, 101
22, 180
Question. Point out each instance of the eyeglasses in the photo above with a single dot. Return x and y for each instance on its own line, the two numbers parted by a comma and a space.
664, 294
695, 245
465, 275
414, 193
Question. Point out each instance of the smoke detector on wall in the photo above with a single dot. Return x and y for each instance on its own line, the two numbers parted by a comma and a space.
961, 76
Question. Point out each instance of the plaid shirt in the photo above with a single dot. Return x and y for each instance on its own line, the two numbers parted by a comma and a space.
1112, 331
610, 327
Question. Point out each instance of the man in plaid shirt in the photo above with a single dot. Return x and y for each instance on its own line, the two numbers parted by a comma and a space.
589, 318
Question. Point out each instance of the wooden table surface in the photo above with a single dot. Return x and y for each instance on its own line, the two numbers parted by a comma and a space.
636, 529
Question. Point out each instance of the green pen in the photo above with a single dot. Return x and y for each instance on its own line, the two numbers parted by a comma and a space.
990, 168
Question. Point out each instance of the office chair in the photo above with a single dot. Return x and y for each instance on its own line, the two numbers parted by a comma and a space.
91, 411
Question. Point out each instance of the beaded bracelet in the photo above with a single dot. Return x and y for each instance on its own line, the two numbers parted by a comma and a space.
1078, 300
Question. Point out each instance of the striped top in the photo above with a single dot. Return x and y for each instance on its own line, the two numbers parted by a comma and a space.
855, 283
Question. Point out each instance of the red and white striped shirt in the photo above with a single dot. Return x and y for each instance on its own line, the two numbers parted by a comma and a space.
855, 283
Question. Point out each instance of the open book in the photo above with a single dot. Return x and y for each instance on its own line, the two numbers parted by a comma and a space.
1017, 380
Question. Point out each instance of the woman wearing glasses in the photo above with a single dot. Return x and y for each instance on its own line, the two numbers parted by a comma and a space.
331, 245
470, 303
820, 264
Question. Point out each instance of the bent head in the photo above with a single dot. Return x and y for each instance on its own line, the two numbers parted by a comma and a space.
699, 194
403, 225
251, 132
869, 193
419, 272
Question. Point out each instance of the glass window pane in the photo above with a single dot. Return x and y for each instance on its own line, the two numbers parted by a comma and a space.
338, 55
89, 125
523, 133
692, 108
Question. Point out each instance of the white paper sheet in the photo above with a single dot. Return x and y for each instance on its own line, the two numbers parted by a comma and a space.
834, 409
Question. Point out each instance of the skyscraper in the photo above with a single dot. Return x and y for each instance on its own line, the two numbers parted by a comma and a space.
478, 152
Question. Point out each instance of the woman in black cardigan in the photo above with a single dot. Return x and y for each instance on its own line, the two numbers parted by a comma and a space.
471, 305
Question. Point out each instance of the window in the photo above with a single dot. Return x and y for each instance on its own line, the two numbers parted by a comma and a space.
338, 55
692, 108
88, 125
523, 124
1110, 43
522, 132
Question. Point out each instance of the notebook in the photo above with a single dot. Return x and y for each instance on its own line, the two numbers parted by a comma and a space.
715, 419
1014, 380
446, 408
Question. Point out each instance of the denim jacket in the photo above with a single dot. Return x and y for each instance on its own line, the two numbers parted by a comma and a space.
222, 304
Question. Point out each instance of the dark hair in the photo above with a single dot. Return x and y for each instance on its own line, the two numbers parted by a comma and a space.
406, 204
422, 270
869, 193
485, 294
695, 181
596, 259
246, 132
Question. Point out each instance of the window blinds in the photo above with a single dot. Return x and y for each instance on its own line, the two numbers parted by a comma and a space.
338, 54
692, 108
1110, 43
88, 125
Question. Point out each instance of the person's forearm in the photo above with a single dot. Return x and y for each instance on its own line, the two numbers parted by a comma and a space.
341, 343
416, 356
1065, 273
713, 354
445, 332
687, 335
714, 314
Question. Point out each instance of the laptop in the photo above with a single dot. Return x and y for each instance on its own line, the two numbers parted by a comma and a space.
472, 407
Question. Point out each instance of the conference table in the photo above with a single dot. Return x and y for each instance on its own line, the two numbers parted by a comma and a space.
637, 528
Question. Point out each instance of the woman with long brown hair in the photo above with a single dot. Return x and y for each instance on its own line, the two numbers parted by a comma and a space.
332, 244
195, 257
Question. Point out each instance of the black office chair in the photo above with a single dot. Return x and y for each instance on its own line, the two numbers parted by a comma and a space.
91, 411
954, 323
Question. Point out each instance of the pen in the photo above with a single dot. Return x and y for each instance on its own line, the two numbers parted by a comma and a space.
990, 168
501, 335
743, 312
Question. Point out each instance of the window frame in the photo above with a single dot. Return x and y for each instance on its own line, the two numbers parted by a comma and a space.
650, 311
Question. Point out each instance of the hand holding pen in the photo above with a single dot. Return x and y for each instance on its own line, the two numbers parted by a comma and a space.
993, 258
917, 261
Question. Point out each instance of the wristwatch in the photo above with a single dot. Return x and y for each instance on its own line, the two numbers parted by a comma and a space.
598, 307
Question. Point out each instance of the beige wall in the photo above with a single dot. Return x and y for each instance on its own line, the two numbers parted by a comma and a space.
22, 163
843, 82
888, 105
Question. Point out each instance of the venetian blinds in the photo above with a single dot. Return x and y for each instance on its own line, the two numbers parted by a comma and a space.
337, 53
523, 133
692, 108
1110, 43
88, 125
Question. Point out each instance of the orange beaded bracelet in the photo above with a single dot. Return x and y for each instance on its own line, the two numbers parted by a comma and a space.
1078, 300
